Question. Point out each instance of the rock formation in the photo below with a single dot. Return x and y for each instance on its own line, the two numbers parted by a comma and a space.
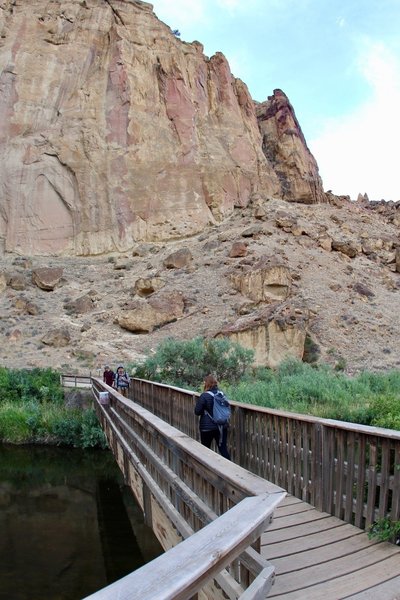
285, 147
113, 131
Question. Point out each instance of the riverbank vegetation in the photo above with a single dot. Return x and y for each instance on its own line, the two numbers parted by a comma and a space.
33, 410
368, 398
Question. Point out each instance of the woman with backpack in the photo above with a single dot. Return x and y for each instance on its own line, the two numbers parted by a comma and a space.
209, 428
122, 381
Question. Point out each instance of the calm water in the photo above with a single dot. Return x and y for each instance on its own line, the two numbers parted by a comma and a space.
68, 526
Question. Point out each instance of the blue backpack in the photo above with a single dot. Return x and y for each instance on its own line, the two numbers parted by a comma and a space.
221, 409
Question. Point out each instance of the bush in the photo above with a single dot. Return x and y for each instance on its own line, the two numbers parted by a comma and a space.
385, 530
186, 363
39, 385
32, 411
385, 411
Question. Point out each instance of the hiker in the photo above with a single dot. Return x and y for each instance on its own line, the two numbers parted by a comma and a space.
122, 381
108, 376
209, 430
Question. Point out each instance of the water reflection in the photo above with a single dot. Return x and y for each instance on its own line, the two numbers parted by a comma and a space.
67, 525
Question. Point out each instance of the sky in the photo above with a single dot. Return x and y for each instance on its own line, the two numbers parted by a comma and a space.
338, 61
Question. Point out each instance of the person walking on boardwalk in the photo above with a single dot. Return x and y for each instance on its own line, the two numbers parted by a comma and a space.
108, 376
122, 381
209, 429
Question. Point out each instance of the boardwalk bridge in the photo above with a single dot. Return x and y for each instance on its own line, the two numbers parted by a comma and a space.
285, 519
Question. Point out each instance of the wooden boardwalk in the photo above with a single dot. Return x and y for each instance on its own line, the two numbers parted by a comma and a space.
319, 557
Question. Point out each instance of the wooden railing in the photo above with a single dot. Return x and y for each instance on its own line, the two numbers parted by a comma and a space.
183, 487
347, 470
80, 381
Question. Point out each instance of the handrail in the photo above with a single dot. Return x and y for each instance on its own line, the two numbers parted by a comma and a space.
67, 380
172, 474
185, 568
348, 470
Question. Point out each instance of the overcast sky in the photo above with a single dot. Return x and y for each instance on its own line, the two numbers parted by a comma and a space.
338, 61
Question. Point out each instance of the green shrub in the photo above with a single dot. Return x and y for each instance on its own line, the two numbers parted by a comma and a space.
92, 436
32, 411
39, 385
186, 363
385, 411
385, 530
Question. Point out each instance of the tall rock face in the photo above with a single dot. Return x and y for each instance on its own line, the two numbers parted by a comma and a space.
286, 150
114, 131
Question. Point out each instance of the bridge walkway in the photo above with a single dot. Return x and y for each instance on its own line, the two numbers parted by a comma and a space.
317, 556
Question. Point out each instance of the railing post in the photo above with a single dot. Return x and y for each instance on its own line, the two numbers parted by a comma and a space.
317, 467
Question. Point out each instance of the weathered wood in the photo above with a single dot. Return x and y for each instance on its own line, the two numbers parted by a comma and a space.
316, 555
176, 504
260, 588
336, 471
328, 584
185, 568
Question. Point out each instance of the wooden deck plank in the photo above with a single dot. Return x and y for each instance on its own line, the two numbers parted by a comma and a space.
289, 500
315, 540
278, 535
298, 519
389, 590
369, 561
292, 509
318, 556
344, 587
322, 554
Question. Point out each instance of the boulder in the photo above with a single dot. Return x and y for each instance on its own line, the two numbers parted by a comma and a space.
238, 250
81, 305
265, 281
146, 286
47, 278
146, 315
17, 282
179, 259
348, 248
57, 338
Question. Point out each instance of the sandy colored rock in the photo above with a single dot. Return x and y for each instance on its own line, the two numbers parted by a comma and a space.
275, 333
265, 281
146, 315
57, 338
147, 286
179, 259
47, 278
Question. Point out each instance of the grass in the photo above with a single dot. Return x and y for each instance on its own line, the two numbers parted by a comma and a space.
32, 410
369, 398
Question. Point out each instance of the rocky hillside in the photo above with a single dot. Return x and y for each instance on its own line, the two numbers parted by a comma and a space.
281, 278
143, 194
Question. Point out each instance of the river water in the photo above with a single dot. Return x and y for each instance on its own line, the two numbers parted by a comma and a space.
68, 525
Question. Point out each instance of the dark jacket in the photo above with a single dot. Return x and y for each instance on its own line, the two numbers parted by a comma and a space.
108, 377
205, 402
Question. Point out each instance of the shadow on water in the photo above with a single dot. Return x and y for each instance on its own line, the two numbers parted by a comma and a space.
68, 525
121, 550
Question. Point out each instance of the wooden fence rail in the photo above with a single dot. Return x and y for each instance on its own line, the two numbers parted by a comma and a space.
182, 487
80, 381
347, 470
